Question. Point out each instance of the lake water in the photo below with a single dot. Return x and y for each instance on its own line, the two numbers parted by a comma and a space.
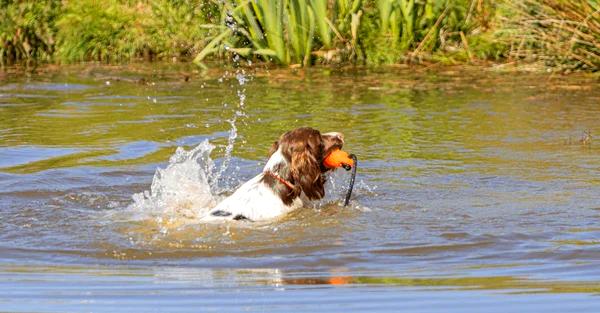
476, 191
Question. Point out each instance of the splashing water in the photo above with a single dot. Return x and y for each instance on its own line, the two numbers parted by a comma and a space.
238, 114
228, 154
190, 185
182, 192
187, 189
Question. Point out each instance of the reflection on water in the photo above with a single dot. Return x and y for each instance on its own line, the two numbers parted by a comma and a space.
278, 278
81, 289
471, 184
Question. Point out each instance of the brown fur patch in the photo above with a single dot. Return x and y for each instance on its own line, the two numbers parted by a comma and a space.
304, 149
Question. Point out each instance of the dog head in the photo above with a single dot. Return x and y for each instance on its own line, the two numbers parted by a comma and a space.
302, 152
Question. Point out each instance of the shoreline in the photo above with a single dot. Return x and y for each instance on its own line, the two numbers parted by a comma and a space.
189, 70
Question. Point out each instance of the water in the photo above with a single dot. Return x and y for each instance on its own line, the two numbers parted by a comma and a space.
477, 191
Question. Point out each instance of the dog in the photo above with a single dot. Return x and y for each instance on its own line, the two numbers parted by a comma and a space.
292, 177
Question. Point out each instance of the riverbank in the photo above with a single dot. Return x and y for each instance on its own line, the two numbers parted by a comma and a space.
549, 34
145, 73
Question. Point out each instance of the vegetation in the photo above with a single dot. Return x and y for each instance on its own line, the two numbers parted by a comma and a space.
564, 34
109, 31
116, 30
560, 33
287, 31
304, 31
27, 30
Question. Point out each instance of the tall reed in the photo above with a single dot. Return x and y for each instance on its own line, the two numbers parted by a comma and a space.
563, 34
298, 31
284, 31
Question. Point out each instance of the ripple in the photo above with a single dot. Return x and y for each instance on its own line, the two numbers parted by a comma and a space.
461, 183
65, 87
133, 150
13, 156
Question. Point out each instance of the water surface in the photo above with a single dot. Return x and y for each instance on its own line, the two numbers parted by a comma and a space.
477, 190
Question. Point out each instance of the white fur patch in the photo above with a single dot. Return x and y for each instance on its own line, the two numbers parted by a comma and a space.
276, 158
255, 200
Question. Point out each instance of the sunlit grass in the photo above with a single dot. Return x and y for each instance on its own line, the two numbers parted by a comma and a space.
107, 31
283, 31
561, 34
27, 31
308, 31
564, 34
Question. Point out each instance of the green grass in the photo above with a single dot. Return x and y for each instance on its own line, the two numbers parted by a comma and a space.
27, 31
561, 34
284, 31
380, 31
115, 30
108, 31
101, 31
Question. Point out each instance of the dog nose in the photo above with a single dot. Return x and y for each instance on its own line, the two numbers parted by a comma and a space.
338, 135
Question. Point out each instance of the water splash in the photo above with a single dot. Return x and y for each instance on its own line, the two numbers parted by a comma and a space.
190, 185
239, 114
182, 192
227, 156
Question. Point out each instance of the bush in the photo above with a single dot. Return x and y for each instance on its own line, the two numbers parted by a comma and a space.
109, 31
102, 31
27, 30
177, 27
562, 34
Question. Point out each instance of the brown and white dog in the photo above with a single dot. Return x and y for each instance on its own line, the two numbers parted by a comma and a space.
293, 175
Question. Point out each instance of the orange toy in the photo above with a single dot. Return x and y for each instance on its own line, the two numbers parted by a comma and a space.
338, 158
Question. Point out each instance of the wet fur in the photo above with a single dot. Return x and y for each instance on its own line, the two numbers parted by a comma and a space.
305, 149
297, 156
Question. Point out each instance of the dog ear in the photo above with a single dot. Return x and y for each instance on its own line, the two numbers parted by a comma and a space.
305, 168
274, 148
